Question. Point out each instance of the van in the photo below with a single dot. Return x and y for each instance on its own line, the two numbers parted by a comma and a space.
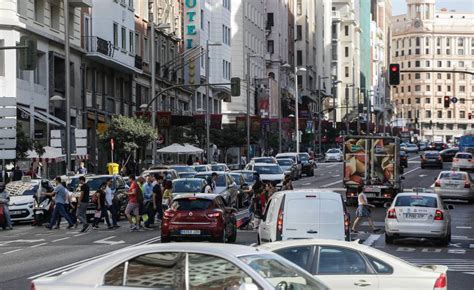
295, 157
304, 214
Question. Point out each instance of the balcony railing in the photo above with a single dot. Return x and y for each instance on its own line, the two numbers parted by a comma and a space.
138, 62
94, 44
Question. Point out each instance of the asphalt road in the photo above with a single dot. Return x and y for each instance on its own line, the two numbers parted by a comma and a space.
29, 252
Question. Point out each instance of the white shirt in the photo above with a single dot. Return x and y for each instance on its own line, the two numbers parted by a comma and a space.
109, 195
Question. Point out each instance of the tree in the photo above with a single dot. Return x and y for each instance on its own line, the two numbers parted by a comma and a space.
23, 143
39, 148
130, 134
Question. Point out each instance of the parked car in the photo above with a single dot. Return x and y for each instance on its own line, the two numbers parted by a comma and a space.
304, 214
431, 159
23, 194
225, 186
244, 196
463, 161
202, 168
219, 167
437, 146
199, 216
350, 265
418, 215
448, 154
334, 154
403, 159
289, 167
268, 159
184, 266
411, 148
307, 164
268, 173
296, 159
188, 186
455, 185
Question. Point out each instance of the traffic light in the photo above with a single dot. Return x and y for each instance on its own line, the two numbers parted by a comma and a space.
394, 74
235, 87
28, 55
447, 100
469, 116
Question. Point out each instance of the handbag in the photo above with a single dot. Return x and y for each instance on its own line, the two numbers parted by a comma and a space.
98, 214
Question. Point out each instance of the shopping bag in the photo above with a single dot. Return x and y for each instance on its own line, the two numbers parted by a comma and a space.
97, 214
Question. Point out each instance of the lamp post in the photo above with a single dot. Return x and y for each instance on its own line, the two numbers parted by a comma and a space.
249, 56
208, 118
67, 84
347, 106
319, 110
297, 102
283, 67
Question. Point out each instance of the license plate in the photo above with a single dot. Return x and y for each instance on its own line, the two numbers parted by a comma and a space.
370, 194
15, 212
190, 232
90, 211
450, 185
414, 215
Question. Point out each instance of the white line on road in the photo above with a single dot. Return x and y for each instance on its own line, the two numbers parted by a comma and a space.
377, 224
12, 251
371, 239
78, 235
411, 171
304, 184
413, 158
463, 227
332, 183
61, 239
38, 245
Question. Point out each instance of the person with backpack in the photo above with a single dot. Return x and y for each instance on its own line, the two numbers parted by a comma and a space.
133, 206
101, 208
147, 199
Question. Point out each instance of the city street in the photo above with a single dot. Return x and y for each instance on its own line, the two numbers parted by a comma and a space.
30, 252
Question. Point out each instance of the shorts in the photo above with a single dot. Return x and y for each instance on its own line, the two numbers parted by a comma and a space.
363, 211
132, 207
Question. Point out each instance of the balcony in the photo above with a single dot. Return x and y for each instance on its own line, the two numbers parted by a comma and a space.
335, 15
138, 62
80, 3
94, 44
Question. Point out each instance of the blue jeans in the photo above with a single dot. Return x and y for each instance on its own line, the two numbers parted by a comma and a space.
6, 213
60, 210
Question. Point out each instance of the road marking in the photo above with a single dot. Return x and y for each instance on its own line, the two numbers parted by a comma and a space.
42, 244
413, 158
463, 227
377, 224
332, 183
470, 273
61, 239
304, 184
336, 175
20, 241
371, 239
411, 171
108, 242
471, 246
422, 175
454, 265
12, 251
456, 251
78, 235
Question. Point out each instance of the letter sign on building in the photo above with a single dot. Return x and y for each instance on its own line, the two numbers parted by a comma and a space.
192, 26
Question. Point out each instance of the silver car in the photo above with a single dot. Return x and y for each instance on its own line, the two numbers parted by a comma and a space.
225, 186
334, 154
418, 215
289, 167
185, 266
455, 185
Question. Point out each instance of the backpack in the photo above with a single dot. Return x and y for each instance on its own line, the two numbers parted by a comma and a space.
95, 198
138, 193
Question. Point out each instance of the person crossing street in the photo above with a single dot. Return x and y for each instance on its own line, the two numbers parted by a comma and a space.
83, 203
60, 194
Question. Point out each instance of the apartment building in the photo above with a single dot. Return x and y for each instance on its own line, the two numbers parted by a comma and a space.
427, 40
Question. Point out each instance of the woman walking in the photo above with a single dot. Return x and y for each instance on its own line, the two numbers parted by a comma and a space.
101, 208
363, 211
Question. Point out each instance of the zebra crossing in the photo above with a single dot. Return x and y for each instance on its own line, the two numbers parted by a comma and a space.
454, 265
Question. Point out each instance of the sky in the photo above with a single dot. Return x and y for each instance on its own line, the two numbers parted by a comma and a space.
400, 6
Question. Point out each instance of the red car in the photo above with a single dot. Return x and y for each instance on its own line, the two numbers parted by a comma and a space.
199, 216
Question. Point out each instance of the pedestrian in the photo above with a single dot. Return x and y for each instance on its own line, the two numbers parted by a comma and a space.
82, 169
60, 194
5, 199
83, 203
196, 161
363, 211
17, 174
148, 201
168, 190
209, 185
257, 207
158, 197
132, 206
214, 181
287, 183
101, 208
190, 161
110, 202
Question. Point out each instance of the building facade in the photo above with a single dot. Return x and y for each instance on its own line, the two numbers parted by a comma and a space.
427, 40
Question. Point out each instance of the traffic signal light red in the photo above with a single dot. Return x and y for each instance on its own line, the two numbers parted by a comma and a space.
394, 74
447, 100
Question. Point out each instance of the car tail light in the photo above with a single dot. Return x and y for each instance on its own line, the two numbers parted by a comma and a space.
441, 282
347, 222
279, 228
214, 214
169, 214
32, 287
437, 183
467, 184
387, 195
392, 214
438, 215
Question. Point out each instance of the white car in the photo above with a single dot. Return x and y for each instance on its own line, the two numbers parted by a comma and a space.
418, 215
268, 173
350, 265
304, 214
455, 185
411, 148
185, 266
22, 197
463, 161
333, 155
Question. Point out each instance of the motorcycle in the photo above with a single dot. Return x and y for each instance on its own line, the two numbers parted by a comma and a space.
42, 211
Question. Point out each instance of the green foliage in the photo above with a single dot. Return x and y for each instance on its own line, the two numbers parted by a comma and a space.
23, 143
39, 148
129, 134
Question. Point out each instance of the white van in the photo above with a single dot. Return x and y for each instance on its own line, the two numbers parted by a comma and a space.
304, 214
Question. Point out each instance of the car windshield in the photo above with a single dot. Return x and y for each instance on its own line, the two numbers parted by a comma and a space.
411, 145
218, 167
191, 204
285, 162
278, 271
73, 184
268, 169
464, 156
417, 201
304, 157
180, 169
220, 179
95, 183
249, 177
187, 186
201, 168
187, 174
333, 151
452, 176
263, 160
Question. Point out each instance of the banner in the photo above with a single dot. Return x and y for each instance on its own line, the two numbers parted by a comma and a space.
255, 125
164, 120
200, 121
191, 23
216, 121
241, 122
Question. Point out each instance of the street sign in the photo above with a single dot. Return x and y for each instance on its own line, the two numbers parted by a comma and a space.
7, 154
112, 144
7, 143
7, 133
454, 100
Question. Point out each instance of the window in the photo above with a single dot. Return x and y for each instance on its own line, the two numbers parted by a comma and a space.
417, 41
379, 266
448, 51
448, 88
449, 114
409, 90
438, 76
417, 63
270, 46
427, 114
137, 44
269, 20
299, 7
39, 10
461, 63
438, 41
462, 100
448, 76
131, 42
462, 114
22, 7
54, 16
440, 63
440, 114
2, 58
448, 42
417, 76
346, 31
428, 88
460, 42
146, 50
439, 100
116, 35
299, 32
124, 38
428, 76
462, 76
202, 19
427, 51
346, 71
439, 88
346, 51
417, 89
462, 89
298, 255
299, 58
336, 260
409, 99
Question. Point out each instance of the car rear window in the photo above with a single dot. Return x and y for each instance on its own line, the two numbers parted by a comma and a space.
417, 200
191, 204
432, 154
453, 176
333, 151
464, 156
284, 162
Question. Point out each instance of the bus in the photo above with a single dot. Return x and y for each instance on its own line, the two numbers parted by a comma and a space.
466, 142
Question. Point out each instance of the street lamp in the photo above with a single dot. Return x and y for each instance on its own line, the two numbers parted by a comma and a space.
297, 69
347, 106
283, 67
249, 56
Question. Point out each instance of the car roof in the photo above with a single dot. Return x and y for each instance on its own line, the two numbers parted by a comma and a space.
431, 152
210, 172
285, 159
265, 164
197, 195
187, 179
287, 154
453, 171
298, 192
411, 193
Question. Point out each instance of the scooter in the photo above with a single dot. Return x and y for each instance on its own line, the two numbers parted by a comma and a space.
43, 210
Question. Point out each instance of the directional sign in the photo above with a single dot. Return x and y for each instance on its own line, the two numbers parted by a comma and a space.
107, 241
7, 143
7, 133
454, 100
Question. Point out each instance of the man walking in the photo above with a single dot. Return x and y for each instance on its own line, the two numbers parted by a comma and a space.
109, 202
82, 204
61, 195
363, 211
5, 199
158, 197
132, 206
147, 200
